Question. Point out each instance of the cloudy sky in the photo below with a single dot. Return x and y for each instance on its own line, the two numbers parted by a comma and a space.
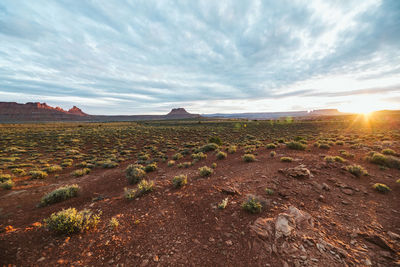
145, 57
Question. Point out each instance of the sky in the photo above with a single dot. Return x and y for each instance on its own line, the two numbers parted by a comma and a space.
146, 57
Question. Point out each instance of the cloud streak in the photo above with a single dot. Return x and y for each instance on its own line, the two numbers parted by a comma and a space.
150, 56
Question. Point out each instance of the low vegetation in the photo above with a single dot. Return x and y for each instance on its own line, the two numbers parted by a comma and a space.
179, 181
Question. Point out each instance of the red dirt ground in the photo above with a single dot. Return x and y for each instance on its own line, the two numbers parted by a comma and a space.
183, 227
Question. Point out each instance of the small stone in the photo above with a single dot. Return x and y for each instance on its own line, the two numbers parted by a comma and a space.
303, 257
211, 239
155, 258
344, 202
368, 262
229, 242
321, 198
325, 187
347, 191
41, 259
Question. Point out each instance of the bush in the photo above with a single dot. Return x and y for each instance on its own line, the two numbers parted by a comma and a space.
129, 193
205, 171
134, 173
171, 163
215, 140
388, 161
4, 177
272, 154
286, 159
151, 167
179, 181
177, 156
271, 146
221, 155
60, 194
81, 172
381, 188
324, 146
223, 203
232, 149
199, 156
388, 151
54, 168
38, 174
144, 187
108, 164
334, 159
71, 221
214, 165
252, 205
356, 170
209, 147
296, 145
113, 223
9, 184
185, 164
248, 158
19, 172
269, 191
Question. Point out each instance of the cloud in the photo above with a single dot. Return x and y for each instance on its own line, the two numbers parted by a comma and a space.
149, 56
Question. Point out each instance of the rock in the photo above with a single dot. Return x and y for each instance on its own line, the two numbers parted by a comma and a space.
263, 227
377, 240
344, 202
284, 225
393, 235
321, 198
229, 242
41, 259
230, 190
347, 191
368, 262
299, 172
325, 187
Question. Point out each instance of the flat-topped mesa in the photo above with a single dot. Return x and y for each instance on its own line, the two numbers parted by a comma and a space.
76, 111
178, 111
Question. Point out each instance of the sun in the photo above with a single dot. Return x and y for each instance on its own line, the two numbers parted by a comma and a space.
362, 105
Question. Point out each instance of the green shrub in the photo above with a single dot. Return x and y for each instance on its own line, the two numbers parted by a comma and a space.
144, 157
4, 177
38, 174
215, 140
134, 173
71, 221
179, 181
324, 146
252, 205
81, 172
209, 147
199, 156
381, 188
205, 171
19, 172
272, 154
9, 184
144, 187
269, 191
177, 156
286, 159
53, 168
150, 167
171, 163
388, 151
271, 146
185, 164
67, 163
214, 165
334, 159
346, 154
296, 145
356, 170
232, 149
221, 155
113, 223
248, 158
388, 161
339, 143
129, 193
108, 164
60, 194
223, 203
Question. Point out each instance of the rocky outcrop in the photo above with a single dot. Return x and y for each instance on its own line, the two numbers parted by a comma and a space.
299, 172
